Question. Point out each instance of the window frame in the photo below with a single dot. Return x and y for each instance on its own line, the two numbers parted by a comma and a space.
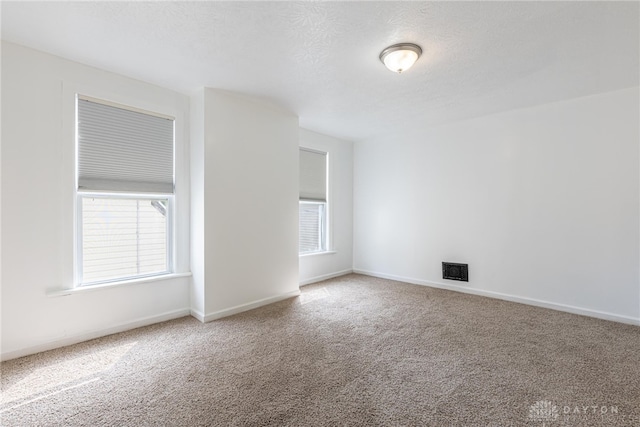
80, 194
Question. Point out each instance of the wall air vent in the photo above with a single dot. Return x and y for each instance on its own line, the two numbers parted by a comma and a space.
454, 271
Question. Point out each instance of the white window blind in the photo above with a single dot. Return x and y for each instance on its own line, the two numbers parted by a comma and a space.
313, 175
123, 150
312, 227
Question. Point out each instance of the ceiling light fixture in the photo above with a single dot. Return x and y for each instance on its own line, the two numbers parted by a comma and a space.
400, 57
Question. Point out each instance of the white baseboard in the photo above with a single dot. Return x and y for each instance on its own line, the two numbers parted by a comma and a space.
86, 336
325, 277
243, 307
197, 314
507, 297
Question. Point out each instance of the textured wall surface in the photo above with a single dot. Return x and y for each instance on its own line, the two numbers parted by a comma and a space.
320, 59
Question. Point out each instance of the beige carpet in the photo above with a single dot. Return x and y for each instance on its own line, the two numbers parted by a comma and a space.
352, 351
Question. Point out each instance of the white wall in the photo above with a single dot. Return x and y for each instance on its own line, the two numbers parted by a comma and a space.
38, 187
542, 203
250, 204
339, 259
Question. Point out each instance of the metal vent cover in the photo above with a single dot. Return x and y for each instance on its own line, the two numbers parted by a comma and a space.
455, 271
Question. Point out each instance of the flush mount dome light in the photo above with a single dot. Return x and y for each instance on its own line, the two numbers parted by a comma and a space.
401, 56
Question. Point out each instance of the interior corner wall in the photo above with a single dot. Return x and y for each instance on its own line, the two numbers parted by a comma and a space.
197, 188
250, 203
542, 203
339, 259
38, 196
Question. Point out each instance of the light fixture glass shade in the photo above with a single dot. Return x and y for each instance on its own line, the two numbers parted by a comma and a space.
400, 57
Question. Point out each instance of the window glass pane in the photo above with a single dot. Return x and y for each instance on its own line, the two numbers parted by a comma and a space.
123, 238
312, 227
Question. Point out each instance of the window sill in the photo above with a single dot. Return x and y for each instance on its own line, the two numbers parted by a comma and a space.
90, 288
317, 253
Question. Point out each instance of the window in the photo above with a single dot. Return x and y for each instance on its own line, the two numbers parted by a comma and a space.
313, 202
123, 237
312, 227
125, 191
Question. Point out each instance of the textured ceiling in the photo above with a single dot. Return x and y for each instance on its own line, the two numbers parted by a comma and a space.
320, 59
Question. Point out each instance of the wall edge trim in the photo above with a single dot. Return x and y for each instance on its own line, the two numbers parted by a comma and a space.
245, 307
325, 277
508, 297
197, 314
96, 333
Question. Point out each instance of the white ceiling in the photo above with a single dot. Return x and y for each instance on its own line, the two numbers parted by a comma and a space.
320, 59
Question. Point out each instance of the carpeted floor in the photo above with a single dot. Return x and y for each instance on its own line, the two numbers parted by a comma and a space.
352, 351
